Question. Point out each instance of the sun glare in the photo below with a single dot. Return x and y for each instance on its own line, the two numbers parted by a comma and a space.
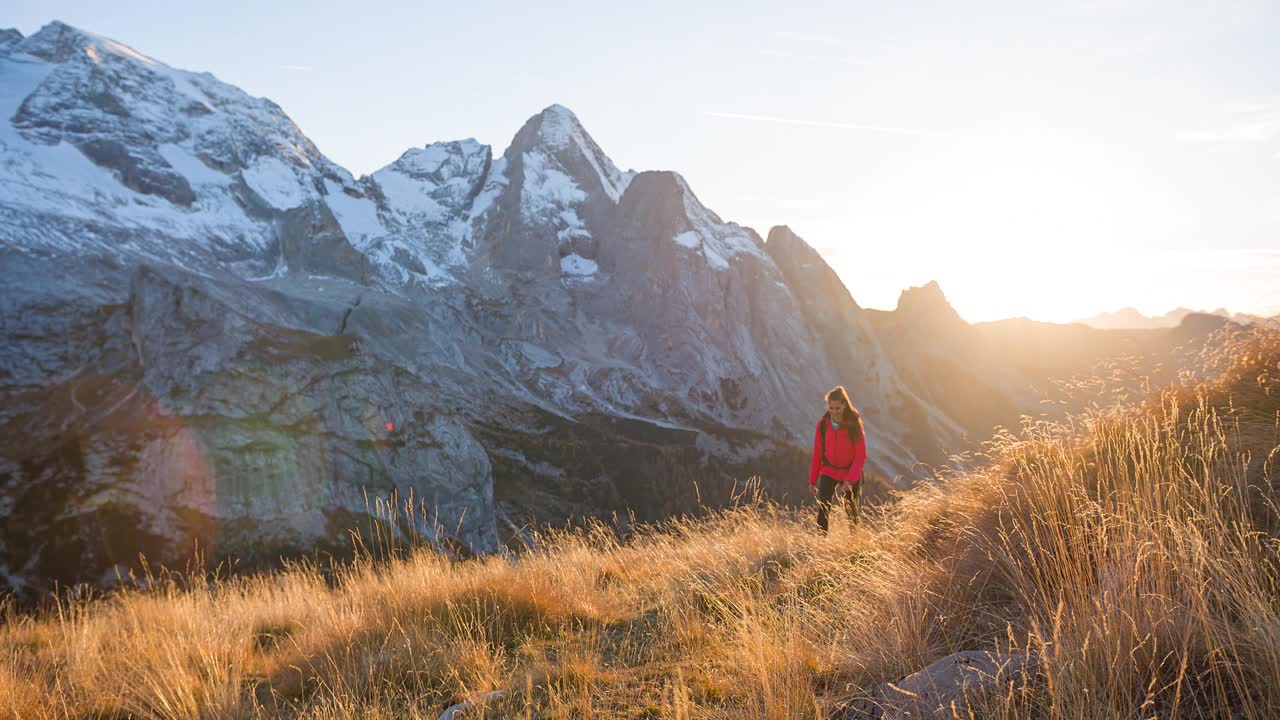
1018, 225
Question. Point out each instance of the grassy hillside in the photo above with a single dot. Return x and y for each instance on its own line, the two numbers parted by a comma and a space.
1134, 551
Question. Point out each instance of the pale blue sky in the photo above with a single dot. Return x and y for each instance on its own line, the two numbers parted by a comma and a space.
1047, 159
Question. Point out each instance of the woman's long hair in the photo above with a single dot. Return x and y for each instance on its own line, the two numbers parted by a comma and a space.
852, 423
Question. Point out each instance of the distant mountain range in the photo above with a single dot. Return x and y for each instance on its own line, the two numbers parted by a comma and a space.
998, 373
1130, 319
215, 337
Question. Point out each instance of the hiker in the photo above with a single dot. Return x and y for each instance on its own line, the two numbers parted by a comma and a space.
839, 452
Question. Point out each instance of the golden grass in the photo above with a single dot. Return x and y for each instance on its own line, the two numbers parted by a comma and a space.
1134, 551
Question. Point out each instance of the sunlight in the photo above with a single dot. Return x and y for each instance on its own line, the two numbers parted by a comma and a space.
1016, 225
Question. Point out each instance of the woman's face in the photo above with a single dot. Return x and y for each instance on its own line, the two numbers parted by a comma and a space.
836, 410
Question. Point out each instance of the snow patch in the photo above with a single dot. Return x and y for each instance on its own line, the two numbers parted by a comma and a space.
433, 183
58, 180
624, 182
94, 211
182, 80
557, 128
546, 189
721, 241
384, 254
575, 264
573, 227
275, 182
190, 167
689, 238
550, 198
494, 185
357, 216
424, 161
409, 195
278, 272
714, 259
117, 48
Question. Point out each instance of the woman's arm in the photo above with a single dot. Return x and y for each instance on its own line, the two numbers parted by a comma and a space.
816, 464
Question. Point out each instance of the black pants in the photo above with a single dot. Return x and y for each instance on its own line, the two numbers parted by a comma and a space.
826, 489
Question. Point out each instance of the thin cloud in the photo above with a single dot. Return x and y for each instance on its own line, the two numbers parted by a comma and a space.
810, 57
1260, 123
296, 68
806, 38
823, 123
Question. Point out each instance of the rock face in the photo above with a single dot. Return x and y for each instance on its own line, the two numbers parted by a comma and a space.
217, 338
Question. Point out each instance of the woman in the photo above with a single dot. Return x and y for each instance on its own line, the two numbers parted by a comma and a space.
839, 452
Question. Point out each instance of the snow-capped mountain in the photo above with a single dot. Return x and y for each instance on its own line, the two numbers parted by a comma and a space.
214, 334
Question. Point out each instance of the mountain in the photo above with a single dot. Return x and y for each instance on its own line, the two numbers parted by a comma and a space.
217, 342
996, 373
946, 361
1130, 319
217, 339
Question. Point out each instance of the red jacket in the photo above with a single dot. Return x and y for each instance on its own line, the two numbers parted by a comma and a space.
844, 459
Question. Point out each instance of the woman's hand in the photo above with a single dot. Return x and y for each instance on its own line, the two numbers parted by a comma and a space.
813, 488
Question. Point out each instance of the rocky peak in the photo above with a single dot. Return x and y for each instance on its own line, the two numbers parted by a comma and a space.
807, 272
927, 303
55, 42
700, 216
1129, 313
441, 160
786, 246
554, 129
558, 126
436, 181
1201, 323
655, 198
161, 132
59, 42
9, 37
804, 268
664, 204
555, 199
555, 136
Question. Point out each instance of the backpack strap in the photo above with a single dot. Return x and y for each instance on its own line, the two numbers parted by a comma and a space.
822, 435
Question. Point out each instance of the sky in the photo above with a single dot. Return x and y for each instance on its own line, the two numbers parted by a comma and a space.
1044, 159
